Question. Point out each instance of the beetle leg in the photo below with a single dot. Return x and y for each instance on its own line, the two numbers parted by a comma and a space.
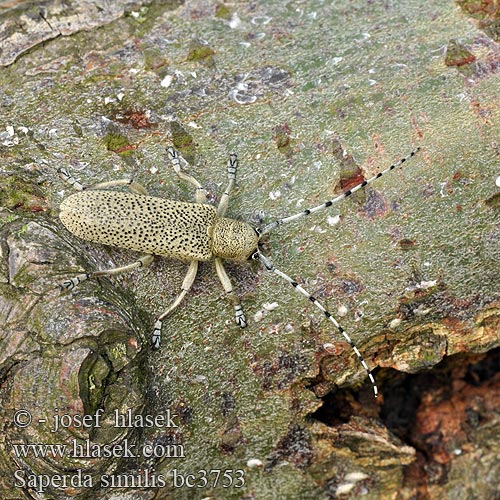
142, 261
201, 195
135, 187
228, 288
232, 166
185, 287
67, 177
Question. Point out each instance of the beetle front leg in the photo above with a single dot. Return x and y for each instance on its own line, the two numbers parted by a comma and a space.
185, 287
232, 167
201, 195
142, 261
228, 288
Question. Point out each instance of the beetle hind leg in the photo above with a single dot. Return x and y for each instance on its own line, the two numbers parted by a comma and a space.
135, 187
143, 261
185, 287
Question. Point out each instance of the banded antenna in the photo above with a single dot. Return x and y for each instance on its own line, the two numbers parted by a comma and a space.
340, 197
270, 267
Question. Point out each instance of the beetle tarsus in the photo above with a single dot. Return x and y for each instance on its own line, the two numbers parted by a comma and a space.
156, 338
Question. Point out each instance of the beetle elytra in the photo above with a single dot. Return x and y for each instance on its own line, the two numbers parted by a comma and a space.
191, 232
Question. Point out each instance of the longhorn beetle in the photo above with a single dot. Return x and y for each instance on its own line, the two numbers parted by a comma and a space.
191, 232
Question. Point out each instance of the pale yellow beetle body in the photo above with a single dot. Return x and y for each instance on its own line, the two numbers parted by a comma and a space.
156, 226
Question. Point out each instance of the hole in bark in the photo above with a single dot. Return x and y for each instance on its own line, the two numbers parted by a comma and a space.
442, 413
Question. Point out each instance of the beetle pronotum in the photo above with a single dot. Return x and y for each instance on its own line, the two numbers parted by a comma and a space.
191, 232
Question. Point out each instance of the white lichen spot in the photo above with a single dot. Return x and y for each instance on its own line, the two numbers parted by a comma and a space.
108, 100
133, 71
358, 315
120, 96
245, 44
201, 379
179, 75
52, 133
274, 330
239, 98
184, 348
441, 190
342, 310
242, 85
335, 61
497, 181
333, 220
343, 489
258, 316
270, 306
354, 477
193, 125
10, 130
422, 311
8, 140
24, 130
394, 323
167, 81
252, 463
423, 285
153, 170
274, 195
261, 20
317, 229
235, 21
